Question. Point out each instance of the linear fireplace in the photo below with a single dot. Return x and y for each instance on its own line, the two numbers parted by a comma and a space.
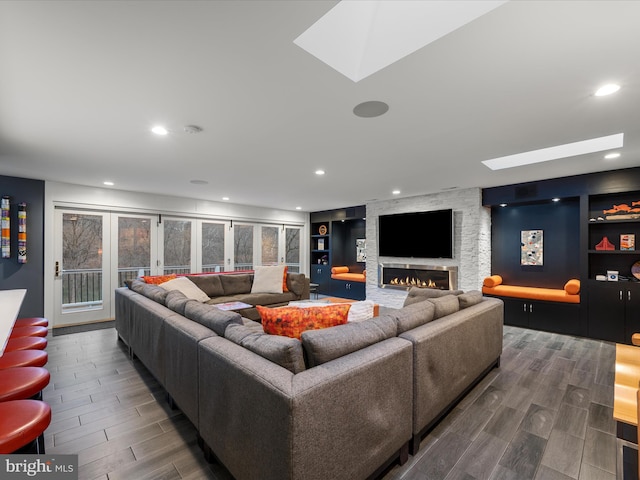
403, 276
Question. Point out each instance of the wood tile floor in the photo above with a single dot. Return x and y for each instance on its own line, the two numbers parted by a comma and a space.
546, 414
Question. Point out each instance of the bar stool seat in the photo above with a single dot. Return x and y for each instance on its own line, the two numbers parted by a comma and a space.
24, 358
21, 383
32, 322
23, 422
34, 331
26, 343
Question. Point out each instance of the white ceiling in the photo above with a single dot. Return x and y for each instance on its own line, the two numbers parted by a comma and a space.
81, 83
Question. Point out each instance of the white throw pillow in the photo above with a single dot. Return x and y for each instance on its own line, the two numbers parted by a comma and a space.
268, 279
187, 287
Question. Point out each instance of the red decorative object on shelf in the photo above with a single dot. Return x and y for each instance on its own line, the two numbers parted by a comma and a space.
605, 244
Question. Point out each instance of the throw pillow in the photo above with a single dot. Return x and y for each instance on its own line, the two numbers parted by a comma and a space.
158, 279
267, 279
572, 287
187, 287
284, 280
492, 281
292, 321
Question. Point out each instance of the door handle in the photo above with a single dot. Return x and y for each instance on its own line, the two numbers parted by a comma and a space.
629, 295
621, 295
524, 307
531, 308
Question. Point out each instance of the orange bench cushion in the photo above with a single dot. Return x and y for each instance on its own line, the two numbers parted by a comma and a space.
569, 294
342, 273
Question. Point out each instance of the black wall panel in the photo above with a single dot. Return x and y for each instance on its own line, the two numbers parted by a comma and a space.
29, 275
561, 237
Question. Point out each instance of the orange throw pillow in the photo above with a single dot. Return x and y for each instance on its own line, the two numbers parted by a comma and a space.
292, 321
284, 280
492, 281
158, 279
572, 287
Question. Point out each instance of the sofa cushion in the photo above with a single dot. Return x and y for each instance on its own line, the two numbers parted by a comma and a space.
211, 317
292, 321
155, 293
470, 298
445, 305
413, 315
236, 283
186, 286
268, 279
321, 346
417, 294
176, 301
209, 284
285, 351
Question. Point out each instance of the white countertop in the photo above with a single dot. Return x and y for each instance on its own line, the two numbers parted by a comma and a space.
10, 302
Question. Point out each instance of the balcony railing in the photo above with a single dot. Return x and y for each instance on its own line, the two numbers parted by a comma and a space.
84, 286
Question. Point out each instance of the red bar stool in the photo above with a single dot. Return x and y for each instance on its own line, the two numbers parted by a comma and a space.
24, 358
34, 331
21, 383
32, 322
22, 426
25, 343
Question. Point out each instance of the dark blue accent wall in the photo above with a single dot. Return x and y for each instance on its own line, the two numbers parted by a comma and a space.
29, 275
561, 241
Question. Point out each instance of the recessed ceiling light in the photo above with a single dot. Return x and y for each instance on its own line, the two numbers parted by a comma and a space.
159, 130
396, 192
108, 183
503, 205
225, 199
319, 172
298, 208
199, 182
554, 153
607, 90
370, 109
611, 156
555, 199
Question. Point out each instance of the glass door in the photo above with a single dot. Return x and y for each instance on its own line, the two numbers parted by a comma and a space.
291, 248
82, 284
177, 246
135, 243
212, 245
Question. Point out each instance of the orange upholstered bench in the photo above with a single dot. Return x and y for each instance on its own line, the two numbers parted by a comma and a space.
342, 273
569, 294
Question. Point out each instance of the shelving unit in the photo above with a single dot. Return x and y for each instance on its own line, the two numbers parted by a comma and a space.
613, 307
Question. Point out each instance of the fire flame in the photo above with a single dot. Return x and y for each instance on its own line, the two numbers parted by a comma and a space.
413, 282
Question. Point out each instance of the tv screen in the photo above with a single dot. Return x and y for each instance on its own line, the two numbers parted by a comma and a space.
416, 234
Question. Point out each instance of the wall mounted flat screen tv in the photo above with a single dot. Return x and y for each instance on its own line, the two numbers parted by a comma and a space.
416, 234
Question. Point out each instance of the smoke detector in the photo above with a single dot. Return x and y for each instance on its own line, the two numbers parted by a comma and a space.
192, 129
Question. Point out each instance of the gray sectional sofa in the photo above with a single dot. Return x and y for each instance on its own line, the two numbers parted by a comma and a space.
341, 403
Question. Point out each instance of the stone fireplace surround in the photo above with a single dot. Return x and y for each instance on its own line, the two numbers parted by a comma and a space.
472, 240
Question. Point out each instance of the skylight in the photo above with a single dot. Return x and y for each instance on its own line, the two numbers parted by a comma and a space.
554, 153
359, 37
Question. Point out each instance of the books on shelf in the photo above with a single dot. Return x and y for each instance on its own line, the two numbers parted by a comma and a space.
627, 241
321, 244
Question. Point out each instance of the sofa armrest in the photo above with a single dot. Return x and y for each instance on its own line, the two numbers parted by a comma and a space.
340, 420
450, 353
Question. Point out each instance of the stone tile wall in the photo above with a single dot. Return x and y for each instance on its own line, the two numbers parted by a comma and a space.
472, 240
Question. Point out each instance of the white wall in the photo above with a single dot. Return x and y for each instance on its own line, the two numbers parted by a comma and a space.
106, 199
472, 240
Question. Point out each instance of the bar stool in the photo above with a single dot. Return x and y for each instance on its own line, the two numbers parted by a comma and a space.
34, 331
24, 358
22, 426
25, 343
22, 383
32, 322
